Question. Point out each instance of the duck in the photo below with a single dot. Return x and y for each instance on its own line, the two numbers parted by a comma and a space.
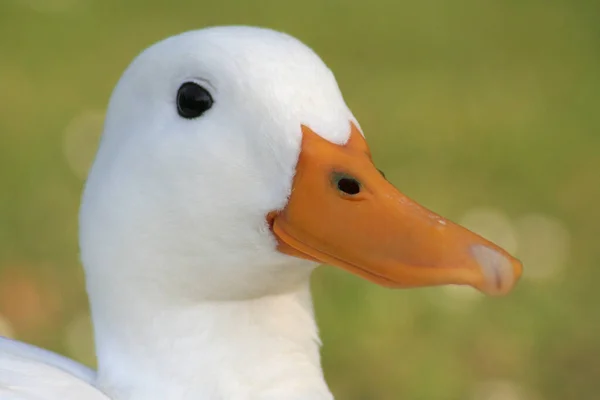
228, 169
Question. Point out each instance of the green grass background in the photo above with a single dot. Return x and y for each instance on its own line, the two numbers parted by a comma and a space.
466, 104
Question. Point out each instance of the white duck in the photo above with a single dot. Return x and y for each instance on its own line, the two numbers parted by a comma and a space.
229, 168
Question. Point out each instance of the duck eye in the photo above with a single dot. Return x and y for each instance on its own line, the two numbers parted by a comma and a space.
193, 100
346, 184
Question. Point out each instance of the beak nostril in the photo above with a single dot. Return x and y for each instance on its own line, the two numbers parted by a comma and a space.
349, 186
346, 183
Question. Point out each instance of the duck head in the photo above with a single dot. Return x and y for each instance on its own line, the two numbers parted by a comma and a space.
230, 166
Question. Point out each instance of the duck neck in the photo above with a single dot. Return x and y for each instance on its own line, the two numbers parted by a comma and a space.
262, 348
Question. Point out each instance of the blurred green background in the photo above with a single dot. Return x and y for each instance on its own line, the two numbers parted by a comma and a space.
486, 112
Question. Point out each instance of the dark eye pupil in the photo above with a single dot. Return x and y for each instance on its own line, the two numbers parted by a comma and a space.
349, 186
193, 100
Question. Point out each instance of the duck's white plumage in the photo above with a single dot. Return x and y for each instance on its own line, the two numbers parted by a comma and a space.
28, 372
187, 226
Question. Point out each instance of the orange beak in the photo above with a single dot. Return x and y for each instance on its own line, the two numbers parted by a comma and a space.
343, 212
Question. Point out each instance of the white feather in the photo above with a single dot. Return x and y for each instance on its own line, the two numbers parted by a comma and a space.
30, 373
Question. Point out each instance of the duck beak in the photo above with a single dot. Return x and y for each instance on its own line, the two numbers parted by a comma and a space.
343, 212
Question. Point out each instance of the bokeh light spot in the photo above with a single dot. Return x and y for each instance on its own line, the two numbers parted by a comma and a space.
498, 390
79, 339
81, 139
27, 301
458, 298
543, 246
6, 328
493, 225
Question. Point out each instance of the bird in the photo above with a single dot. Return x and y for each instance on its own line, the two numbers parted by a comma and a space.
229, 168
